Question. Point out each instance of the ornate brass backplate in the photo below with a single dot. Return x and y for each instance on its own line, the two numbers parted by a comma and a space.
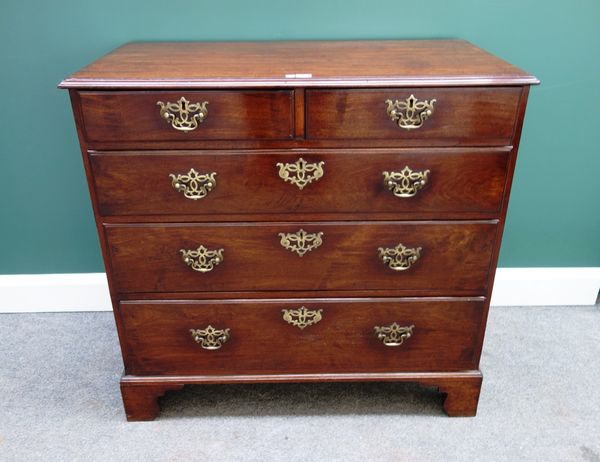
192, 184
405, 183
399, 258
301, 172
394, 334
302, 317
210, 338
202, 259
183, 115
301, 242
410, 113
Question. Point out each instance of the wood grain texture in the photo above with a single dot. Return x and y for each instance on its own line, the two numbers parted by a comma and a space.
248, 182
262, 111
296, 294
509, 178
462, 397
263, 144
299, 113
461, 117
330, 63
147, 258
141, 401
76, 106
232, 115
159, 339
458, 403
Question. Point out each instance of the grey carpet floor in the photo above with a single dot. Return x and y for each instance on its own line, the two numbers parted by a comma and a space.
540, 401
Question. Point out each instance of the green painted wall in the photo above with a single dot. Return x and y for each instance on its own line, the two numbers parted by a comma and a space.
47, 224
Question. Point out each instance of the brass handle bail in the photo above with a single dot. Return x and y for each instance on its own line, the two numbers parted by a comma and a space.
193, 185
202, 259
405, 183
399, 258
210, 338
394, 334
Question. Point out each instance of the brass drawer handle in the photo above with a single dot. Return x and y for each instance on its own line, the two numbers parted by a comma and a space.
183, 115
202, 259
302, 317
301, 242
301, 172
394, 334
399, 258
192, 184
405, 183
410, 113
210, 338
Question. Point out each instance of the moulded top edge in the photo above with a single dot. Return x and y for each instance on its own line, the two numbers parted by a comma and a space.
108, 84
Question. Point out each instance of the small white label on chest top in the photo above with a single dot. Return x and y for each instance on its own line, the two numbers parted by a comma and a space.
298, 76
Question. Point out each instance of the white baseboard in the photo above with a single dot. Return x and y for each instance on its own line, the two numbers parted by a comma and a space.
22, 293
89, 291
546, 286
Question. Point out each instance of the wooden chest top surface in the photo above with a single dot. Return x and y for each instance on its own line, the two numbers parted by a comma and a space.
300, 211
297, 64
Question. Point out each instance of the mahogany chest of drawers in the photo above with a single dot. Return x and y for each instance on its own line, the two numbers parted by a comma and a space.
299, 211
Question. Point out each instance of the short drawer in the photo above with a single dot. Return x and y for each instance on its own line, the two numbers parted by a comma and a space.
301, 336
458, 116
184, 116
434, 256
350, 181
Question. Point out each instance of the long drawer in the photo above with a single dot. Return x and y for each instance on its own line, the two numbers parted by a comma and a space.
301, 336
415, 117
286, 182
430, 256
165, 116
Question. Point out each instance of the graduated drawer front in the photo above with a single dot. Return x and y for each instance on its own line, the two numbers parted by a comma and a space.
159, 340
232, 115
461, 116
139, 183
453, 256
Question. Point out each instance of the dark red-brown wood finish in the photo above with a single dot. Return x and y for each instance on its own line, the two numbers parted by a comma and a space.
262, 342
261, 312
454, 255
232, 115
247, 182
356, 64
359, 114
